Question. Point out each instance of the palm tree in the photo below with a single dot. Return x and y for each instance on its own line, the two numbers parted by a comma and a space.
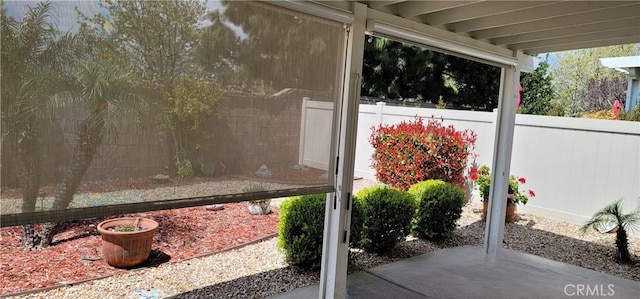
624, 221
104, 88
31, 52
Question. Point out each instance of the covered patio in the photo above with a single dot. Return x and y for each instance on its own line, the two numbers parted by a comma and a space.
466, 272
499, 33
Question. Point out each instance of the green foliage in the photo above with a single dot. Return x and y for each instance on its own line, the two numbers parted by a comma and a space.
410, 152
575, 69
557, 109
357, 223
283, 50
28, 53
601, 114
482, 177
440, 207
159, 39
301, 228
537, 91
218, 48
158, 36
388, 213
395, 70
190, 104
185, 169
441, 104
622, 114
478, 84
633, 116
613, 212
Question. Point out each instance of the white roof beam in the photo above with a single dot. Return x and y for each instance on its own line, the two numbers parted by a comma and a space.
584, 45
379, 4
569, 31
562, 9
455, 43
630, 11
341, 5
577, 38
415, 8
476, 10
621, 62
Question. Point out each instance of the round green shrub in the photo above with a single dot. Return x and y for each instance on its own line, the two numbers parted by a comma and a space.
439, 208
301, 228
387, 217
357, 223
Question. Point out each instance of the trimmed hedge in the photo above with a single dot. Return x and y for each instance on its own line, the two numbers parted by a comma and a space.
301, 226
300, 229
439, 208
388, 213
357, 223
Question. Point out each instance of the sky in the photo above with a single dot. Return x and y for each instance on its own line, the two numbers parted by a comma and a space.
66, 18
64, 12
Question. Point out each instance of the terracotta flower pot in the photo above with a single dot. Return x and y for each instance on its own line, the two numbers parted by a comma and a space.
124, 249
509, 217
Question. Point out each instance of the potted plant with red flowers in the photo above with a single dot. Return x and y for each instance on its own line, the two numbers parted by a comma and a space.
482, 177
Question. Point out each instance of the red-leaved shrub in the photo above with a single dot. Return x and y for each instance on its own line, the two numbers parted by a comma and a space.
411, 152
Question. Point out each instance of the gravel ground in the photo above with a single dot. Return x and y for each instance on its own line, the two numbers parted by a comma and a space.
259, 270
13, 205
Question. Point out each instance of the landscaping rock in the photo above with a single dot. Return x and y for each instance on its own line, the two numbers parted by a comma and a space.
263, 172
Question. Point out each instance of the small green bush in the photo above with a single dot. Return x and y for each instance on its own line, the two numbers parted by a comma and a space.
301, 228
357, 223
439, 208
388, 213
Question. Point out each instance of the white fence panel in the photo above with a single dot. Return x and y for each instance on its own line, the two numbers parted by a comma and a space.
575, 166
314, 151
371, 116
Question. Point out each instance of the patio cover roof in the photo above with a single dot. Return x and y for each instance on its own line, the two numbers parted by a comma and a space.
529, 26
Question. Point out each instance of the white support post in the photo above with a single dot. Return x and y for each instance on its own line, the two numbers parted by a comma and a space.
633, 89
335, 247
500, 169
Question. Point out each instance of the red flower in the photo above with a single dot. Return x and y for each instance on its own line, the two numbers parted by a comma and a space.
474, 176
474, 170
531, 193
522, 180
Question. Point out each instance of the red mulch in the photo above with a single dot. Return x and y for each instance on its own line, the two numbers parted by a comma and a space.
182, 233
76, 253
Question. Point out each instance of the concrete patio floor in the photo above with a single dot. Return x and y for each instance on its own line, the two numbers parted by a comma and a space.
465, 272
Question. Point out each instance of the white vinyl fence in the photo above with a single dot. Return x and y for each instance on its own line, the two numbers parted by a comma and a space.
575, 166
